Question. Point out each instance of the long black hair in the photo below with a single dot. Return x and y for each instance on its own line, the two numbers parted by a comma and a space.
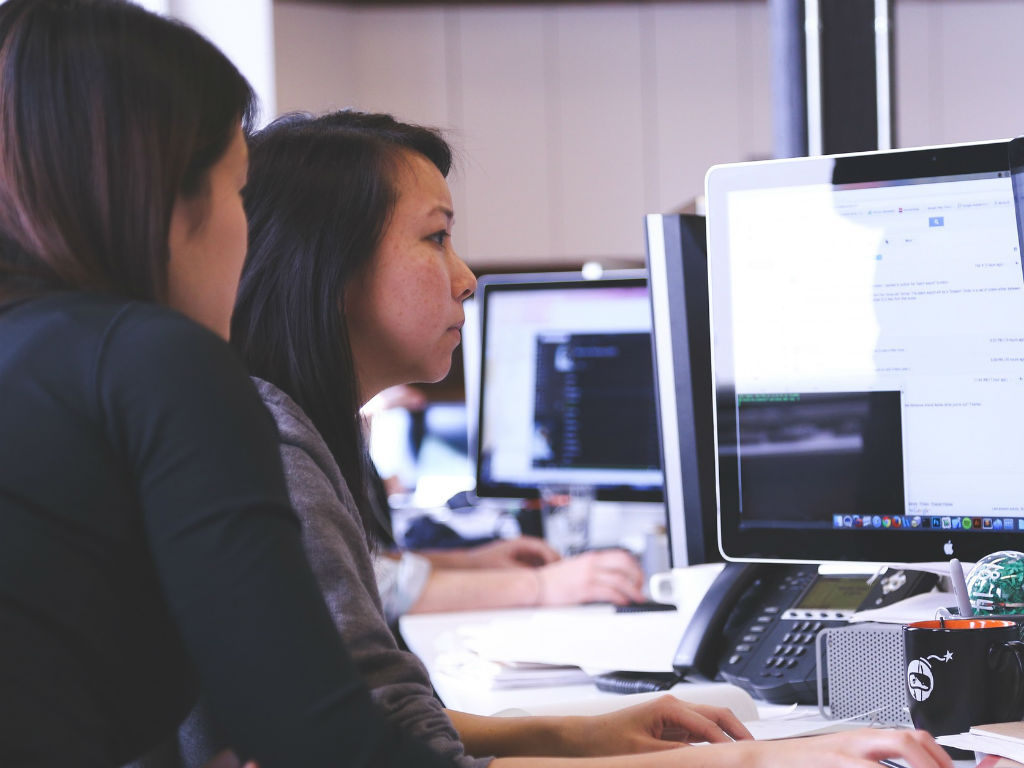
320, 194
108, 113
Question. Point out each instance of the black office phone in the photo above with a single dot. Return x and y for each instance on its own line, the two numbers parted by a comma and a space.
757, 624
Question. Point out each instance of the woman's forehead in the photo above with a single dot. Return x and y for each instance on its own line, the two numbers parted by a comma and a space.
422, 189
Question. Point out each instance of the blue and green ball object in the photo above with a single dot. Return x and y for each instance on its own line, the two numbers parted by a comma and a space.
996, 584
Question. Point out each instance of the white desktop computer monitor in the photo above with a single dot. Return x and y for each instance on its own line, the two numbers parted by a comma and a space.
868, 356
678, 270
566, 386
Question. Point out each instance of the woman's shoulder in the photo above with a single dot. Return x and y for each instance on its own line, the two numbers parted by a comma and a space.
147, 324
319, 492
84, 306
76, 314
109, 338
300, 439
112, 321
293, 424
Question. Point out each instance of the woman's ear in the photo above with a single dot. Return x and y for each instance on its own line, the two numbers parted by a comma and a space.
187, 218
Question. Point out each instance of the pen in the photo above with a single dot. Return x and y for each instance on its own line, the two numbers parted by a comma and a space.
956, 575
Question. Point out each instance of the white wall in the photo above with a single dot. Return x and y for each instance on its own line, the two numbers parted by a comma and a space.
242, 29
574, 120
958, 70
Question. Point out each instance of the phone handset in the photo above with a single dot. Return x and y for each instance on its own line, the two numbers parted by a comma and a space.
698, 651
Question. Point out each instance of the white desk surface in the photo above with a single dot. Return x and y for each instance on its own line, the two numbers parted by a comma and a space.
429, 635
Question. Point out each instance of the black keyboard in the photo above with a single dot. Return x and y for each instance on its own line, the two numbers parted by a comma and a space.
644, 607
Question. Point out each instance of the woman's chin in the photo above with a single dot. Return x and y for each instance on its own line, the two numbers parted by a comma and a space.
436, 373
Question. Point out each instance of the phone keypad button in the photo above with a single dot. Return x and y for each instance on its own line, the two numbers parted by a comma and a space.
743, 648
758, 628
735, 658
751, 638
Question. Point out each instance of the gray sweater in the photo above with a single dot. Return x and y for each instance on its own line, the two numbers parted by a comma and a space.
335, 542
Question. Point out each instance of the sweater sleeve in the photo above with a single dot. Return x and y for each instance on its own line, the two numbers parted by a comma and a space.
227, 551
336, 544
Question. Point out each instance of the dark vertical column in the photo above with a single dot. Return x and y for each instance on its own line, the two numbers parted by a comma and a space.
832, 76
850, 77
789, 78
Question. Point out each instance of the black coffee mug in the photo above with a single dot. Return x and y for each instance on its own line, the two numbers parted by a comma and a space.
963, 672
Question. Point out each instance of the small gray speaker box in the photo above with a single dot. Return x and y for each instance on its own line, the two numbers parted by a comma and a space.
864, 664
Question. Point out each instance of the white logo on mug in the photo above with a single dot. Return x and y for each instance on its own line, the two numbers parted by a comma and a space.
920, 680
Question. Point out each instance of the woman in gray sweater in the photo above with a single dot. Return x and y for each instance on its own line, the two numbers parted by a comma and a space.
351, 286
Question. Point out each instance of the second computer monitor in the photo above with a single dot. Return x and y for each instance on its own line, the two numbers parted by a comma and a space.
868, 316
567, 386
677, 263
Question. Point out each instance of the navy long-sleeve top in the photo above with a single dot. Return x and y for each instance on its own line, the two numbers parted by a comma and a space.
147, 547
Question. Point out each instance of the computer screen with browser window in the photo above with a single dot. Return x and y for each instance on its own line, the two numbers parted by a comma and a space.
868, 326
567, 386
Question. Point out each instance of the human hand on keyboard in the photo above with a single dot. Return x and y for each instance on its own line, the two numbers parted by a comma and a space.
606, 576
659, 724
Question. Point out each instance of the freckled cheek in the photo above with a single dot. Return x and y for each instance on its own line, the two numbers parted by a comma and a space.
416, 303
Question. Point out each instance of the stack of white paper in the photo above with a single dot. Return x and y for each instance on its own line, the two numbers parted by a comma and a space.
920, 607
1002, 739
495, 674
597, 642
555, 647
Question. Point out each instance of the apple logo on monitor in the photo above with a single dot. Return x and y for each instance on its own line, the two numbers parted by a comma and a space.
948, 548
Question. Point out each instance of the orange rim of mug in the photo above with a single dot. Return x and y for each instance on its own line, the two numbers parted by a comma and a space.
961, 624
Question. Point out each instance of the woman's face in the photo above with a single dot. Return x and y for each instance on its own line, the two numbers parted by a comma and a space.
404, 311
207, 243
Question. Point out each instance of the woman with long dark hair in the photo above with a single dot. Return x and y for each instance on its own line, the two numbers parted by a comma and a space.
350, 286
147, 544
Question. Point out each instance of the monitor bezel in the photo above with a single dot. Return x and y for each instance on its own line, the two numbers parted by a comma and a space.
678, 268
487, 489
824, 545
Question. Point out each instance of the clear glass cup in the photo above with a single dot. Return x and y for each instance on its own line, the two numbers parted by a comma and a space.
565, 515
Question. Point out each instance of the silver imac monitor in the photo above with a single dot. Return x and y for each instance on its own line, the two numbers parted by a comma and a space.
566, 386
678, 270
868, 356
